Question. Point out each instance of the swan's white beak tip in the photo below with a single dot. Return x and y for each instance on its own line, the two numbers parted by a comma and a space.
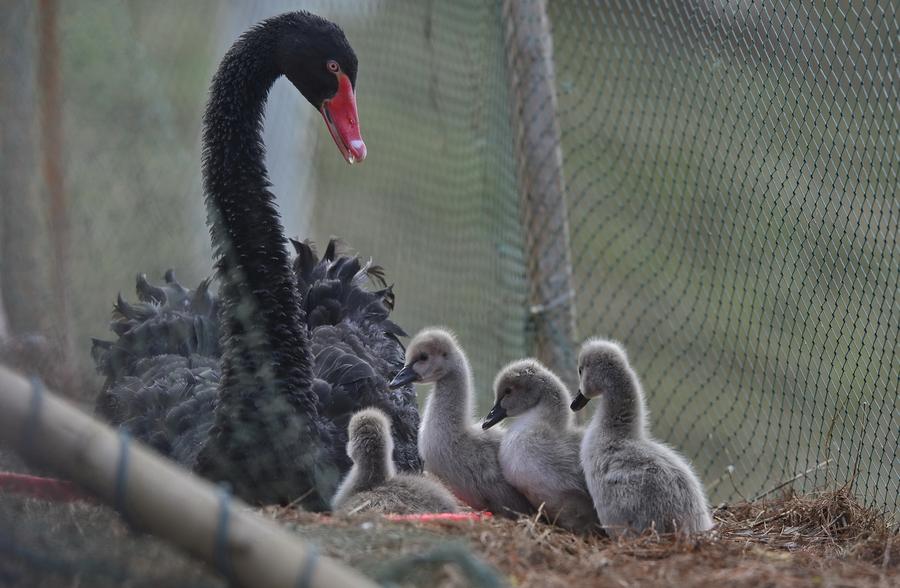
357, 150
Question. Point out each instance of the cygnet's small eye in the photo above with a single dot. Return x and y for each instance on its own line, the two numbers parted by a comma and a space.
580, 369
333, 66
423, 357
507, 391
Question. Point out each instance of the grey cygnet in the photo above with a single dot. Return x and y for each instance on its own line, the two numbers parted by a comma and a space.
539, 453
463, 456
637, 483
372, 484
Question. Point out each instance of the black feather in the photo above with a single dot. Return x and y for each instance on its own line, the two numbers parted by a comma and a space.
162, 373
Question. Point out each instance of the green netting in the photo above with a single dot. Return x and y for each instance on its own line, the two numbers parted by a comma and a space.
438, 207
732, 187
730, 178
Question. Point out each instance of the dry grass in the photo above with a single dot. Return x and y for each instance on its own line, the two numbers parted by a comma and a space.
825, 539
52, 545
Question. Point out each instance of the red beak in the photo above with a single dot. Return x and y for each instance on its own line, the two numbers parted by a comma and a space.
342, 121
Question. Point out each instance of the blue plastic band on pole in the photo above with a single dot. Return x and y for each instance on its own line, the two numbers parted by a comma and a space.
34, 413
304, 580
220, 549
122, 474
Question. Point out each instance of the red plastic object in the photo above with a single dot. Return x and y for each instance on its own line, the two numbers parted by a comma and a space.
41, 488
441, 516
62, 491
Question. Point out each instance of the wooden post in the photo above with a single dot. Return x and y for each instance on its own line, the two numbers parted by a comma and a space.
158, 496
23, 248
49, 82
541, 184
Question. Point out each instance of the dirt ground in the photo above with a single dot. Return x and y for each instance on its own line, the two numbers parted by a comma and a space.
825, 539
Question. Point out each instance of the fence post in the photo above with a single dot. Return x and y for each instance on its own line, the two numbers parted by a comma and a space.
26, 289
529, 48
50, 119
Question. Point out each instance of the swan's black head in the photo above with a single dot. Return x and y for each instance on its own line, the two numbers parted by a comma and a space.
316, 57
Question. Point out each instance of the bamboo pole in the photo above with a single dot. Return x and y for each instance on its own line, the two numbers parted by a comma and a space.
158, 496
541, 184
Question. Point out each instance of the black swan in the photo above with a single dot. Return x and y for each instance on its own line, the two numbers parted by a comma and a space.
256, 388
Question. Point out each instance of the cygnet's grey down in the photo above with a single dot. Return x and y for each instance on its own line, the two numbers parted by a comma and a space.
462, 455
372, 484
539, 453
637, 483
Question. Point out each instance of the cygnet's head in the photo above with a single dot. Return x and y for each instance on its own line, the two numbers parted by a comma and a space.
602, 367
370, 438
521, 386
431, 355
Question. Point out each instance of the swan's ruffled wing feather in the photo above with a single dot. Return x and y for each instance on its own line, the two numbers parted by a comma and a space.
162, 370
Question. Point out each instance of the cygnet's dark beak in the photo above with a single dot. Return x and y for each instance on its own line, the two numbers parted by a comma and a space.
497, 414
404, 377
580, 401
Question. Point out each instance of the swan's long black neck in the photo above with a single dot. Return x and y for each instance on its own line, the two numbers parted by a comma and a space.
265, 346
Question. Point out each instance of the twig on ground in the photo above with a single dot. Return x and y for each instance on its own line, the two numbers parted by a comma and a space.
792, 480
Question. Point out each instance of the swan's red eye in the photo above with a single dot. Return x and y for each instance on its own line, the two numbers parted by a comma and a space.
333, 66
